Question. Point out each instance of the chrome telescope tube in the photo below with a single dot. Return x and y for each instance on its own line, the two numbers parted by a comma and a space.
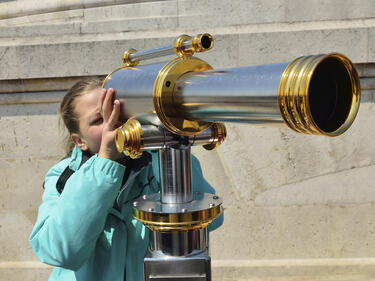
313, 95
134, 86
245, 95
317, 94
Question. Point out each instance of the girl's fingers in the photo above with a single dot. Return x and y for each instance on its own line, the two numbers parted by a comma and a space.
107, 105
101, 99
112, 121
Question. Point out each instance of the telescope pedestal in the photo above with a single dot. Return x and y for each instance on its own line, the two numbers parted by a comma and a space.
179, 220
178, 256
195, 268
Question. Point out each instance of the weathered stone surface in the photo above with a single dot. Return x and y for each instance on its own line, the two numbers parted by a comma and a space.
213, 13
25, 8
132, 11
295, 232
295, 269
101, 57
263, 48
191, 12
92, 58
312, 10
15, 235
54, 17
18, 274
130, 25
23, 130
366, 70
371, 45
39, 30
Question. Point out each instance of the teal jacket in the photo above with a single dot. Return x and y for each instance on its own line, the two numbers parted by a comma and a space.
79, 231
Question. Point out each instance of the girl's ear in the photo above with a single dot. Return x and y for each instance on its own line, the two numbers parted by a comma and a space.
78, 141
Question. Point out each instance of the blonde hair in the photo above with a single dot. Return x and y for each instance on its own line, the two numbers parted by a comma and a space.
67, 106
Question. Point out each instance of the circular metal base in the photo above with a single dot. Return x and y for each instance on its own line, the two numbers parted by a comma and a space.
161, 217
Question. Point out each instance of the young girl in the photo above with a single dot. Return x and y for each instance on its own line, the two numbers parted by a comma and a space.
85, 227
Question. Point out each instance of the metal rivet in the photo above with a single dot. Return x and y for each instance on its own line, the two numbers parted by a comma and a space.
135, 203
215, 197
212, 205
151, 209
184, 210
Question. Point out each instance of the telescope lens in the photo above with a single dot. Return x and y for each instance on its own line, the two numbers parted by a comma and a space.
330, 95
206, 42
319, 94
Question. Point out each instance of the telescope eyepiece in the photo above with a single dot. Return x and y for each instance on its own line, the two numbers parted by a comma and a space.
206, 41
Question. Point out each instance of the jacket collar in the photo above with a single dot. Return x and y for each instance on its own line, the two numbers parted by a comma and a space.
78, 157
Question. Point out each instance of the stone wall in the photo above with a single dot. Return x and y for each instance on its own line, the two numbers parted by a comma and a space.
296, 207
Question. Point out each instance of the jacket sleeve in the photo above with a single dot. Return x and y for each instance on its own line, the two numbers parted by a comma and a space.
200, 184
69, 224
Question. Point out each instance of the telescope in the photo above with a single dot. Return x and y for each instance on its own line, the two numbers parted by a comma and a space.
183, 102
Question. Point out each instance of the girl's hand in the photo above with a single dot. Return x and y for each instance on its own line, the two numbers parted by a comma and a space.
109, 108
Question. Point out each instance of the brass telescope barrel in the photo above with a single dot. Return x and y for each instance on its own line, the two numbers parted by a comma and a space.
314, 94
317, 94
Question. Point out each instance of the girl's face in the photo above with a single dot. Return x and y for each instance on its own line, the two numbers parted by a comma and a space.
90, 121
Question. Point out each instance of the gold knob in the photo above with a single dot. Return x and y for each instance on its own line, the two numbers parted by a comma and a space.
129, 139
219, 133
126, 58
